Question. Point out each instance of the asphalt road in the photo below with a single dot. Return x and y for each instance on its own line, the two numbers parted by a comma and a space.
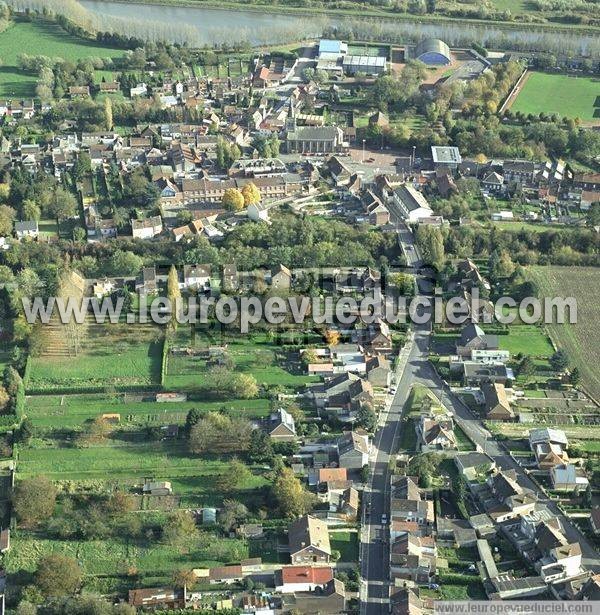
414, 367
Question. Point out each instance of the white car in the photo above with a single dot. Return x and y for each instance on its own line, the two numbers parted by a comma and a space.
383, 519
393, 390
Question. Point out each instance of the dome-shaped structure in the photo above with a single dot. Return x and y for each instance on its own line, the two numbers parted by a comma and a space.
433, 52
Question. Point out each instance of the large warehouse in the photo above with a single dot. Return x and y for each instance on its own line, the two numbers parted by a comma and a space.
433, 52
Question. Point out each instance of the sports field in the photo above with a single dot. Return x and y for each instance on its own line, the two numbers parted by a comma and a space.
38, 38
562, 94
580, 340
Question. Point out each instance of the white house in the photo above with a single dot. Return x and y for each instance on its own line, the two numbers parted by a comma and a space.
412, 203
29, 228
139, 90
196, 276
147, 228
503, 216
258, 212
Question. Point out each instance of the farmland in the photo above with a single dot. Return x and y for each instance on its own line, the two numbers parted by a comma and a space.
580, 340
567, 96
39, 38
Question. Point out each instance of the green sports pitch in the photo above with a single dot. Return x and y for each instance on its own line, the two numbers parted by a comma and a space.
566, 95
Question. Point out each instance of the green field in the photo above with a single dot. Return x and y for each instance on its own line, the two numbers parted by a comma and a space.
49, 412
526, 339
567, 96
36, 38
580, 340
346, 543
110, 356
252, 354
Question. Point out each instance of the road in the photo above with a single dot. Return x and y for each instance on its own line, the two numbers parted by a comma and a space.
414, 367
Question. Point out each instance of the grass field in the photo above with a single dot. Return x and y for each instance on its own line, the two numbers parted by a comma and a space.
580, 340
567, 96
38, 38
526, 339
346, 543
253, 354
110, 356
50, 412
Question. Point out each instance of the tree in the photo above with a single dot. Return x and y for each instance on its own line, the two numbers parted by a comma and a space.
7, 218
4, 399
366, 417
233, 200
30, 210
231, 514
260, 449
58, 575
559, 360
251, 194
219, 433
593, 216
173, 294
34, 500
244, 386
180, 529
332, 337
63, 204
108, 113
289, 494
575, 376
184, 578
235, 476
526, 367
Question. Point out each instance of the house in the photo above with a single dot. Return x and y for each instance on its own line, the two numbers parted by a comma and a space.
281, 278
196, 276
28, 229
445, 157
435, 432
226, 574
139, 90
194, 228
378, 371
340, 173
503, 216
459, 531
157, 598
549, 447
230, 278
146, 282
326, 475
79, 91
353, 450
519, 171
472, 465
476, 374
472, 337
157, 488
560, 563
331, 600
308, 538
514, 500
418, 511
412, 204
568, 477
109, 87
406, 601
258, 212
282, 427
493, 183
147, 228
290, 579
496, 404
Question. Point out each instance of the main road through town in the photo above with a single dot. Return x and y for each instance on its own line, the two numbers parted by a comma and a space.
413, 367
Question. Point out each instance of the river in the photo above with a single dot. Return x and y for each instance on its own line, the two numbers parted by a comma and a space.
213, 24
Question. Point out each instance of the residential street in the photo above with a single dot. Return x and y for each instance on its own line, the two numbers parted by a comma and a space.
415, 368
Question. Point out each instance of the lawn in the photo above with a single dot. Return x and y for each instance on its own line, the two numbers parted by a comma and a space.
118, 356
346, 543
581, 340
568, 96
526, 339
37, 38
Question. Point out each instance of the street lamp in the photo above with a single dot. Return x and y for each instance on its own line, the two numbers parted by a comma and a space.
363, 153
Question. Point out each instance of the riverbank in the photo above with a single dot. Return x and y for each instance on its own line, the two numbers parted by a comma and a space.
363, 12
